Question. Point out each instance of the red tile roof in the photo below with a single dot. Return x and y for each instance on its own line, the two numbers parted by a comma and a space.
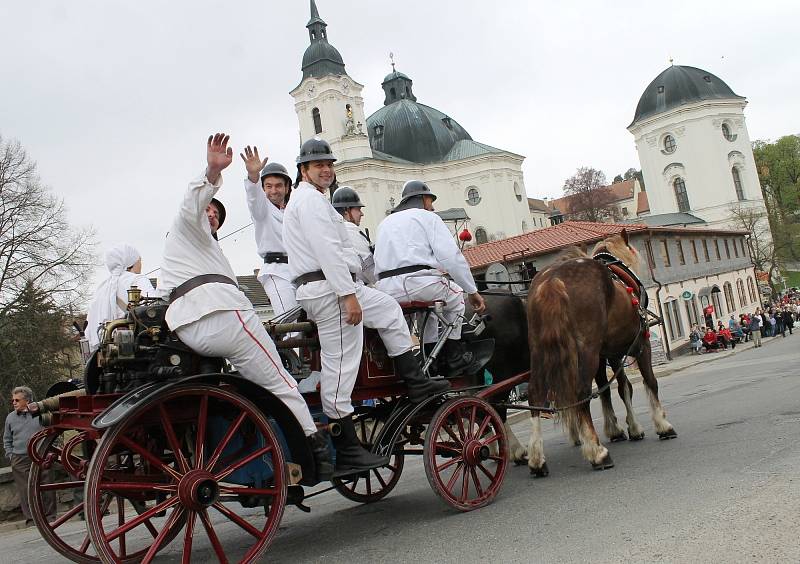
642, 204
544, 241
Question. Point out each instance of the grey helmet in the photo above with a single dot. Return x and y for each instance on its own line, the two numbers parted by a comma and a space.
415, 188
315, 150
276, 169
344, 198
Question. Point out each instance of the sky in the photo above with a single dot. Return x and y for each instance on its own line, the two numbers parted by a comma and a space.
114, 100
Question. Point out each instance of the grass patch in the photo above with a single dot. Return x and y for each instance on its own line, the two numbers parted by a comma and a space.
792, 278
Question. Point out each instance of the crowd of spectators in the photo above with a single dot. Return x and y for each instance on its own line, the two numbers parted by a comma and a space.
774, 318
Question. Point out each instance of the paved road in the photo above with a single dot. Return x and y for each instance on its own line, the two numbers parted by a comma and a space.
727, 490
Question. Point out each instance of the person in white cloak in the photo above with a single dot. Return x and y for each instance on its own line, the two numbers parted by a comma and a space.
111, 297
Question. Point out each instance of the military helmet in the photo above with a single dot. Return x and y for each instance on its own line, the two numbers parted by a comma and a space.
276, 169
344, 198
315, 150
415, 188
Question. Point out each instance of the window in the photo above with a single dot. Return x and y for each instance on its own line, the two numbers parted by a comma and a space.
673, 318
740, 291
717, 303
716, 249
691, 312
726, 132
751, 289
473, 196
649, 249
625, 211
393, 93
741, 244
517, 192
727, 249
680, 195
669, 144
729, 297
681, 257
705, 250
735, 248
480, 236
694, 251
317, 120
737, 183
665, 252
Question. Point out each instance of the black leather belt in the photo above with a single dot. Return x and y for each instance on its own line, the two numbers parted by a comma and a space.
404, 270
193, 283
314, 276
271, 258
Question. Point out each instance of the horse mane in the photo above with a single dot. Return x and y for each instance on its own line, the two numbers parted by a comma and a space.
619, 246
570, 253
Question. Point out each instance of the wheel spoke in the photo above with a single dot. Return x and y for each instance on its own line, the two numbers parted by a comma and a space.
233, 467
449, 431
137, 487
225, 440
460, 421
357, 478
368, 483
464, 484
162, 535
236, 519
139, 519
173, 440
188, 537
477, 481
472, 415
60, 486
492, 439
482, 428
153, 459
455, 475
379, 477
85, 544
199, 443
67, 516
121, 521
212, 536
443, 446
449, 463
485, 471
248, 491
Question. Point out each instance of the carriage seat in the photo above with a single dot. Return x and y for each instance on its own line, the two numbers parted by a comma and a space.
416, 306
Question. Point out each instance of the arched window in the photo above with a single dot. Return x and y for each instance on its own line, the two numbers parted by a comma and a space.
751, 289
317, 120
517, 192
480, 236
729, 297
680, 195
393, 93
740, 291
717, 303
669, 144
737, 183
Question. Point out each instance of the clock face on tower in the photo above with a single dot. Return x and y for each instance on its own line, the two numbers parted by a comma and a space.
345, 86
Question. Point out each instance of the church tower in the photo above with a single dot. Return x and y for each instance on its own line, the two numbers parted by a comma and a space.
694, 147
327, 101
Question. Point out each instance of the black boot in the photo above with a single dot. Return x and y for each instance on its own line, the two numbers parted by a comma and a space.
351, 457
322, 455
420, 387
454, 357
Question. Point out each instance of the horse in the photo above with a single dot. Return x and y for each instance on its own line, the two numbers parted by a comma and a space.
579, 318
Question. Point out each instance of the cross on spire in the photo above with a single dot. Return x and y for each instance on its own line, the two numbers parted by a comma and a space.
391, 57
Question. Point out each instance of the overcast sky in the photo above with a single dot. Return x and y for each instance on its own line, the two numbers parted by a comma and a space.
114, 100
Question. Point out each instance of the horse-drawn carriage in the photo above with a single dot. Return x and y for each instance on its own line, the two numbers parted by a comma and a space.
162, 444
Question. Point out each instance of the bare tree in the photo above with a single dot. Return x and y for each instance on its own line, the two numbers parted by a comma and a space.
588, 197
765, 251
37, 245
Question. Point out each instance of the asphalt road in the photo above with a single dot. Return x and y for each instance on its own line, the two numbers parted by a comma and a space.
726, 490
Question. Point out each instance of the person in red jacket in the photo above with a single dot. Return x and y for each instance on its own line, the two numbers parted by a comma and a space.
727, 338
710, 340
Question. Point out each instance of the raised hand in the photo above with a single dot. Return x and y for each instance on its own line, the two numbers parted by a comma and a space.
218, 155
253, 163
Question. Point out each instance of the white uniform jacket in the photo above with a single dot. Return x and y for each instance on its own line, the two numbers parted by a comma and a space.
315, 238
268, 221
126, 280
190, 251
361, 247
417, 236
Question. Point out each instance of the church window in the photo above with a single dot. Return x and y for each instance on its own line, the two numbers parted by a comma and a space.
740, 291
672, 316
480, 236
393, 93
661, 89
737, 183
473, 196
694, 251
669, 144
741, 245
726, 132
751, 289
735, 248
378, 130
650, 260
729, 297
625, 211
681, 256
705, 250
517, 192
448, 122
680, 195
665, 253
716, 249
727, 249
317, 120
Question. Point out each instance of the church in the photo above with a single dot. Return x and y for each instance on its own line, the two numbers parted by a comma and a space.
478, 186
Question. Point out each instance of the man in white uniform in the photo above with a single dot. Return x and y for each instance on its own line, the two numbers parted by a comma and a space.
324, 266
412, 247
346, 201
209, 313
268, 187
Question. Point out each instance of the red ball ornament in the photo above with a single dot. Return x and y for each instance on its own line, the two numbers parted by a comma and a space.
465, 236
647, 334
635, 301
629, 289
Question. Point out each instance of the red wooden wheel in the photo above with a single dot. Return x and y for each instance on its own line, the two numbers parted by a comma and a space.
465, 453
175, 460
375, 484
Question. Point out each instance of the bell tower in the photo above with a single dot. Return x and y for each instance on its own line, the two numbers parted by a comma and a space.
327, 101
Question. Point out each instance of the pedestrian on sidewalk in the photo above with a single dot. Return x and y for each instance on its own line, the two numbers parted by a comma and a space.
696, 340
20, 426
755, 330
788, 320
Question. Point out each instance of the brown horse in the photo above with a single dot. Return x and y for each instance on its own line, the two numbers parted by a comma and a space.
580, 317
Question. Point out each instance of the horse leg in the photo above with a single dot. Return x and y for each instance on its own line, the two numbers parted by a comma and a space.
516, 452
536, 461
664, 428
611, 426
625, 390
592, 449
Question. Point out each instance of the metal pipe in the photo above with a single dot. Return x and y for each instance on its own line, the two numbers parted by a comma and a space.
51, 404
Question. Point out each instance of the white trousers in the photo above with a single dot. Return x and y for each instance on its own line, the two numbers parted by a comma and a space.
383, 313
240, 337
428, 289
281, 293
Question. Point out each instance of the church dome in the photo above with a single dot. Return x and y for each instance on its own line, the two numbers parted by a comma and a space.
406, 129
320, 59
679, 85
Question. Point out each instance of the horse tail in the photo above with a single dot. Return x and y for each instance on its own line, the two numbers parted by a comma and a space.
554, 350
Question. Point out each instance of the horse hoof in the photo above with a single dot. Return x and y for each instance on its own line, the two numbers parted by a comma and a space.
520, 461
542, 472
619, 438
576, 443
604, 464
666, 435
638, 437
